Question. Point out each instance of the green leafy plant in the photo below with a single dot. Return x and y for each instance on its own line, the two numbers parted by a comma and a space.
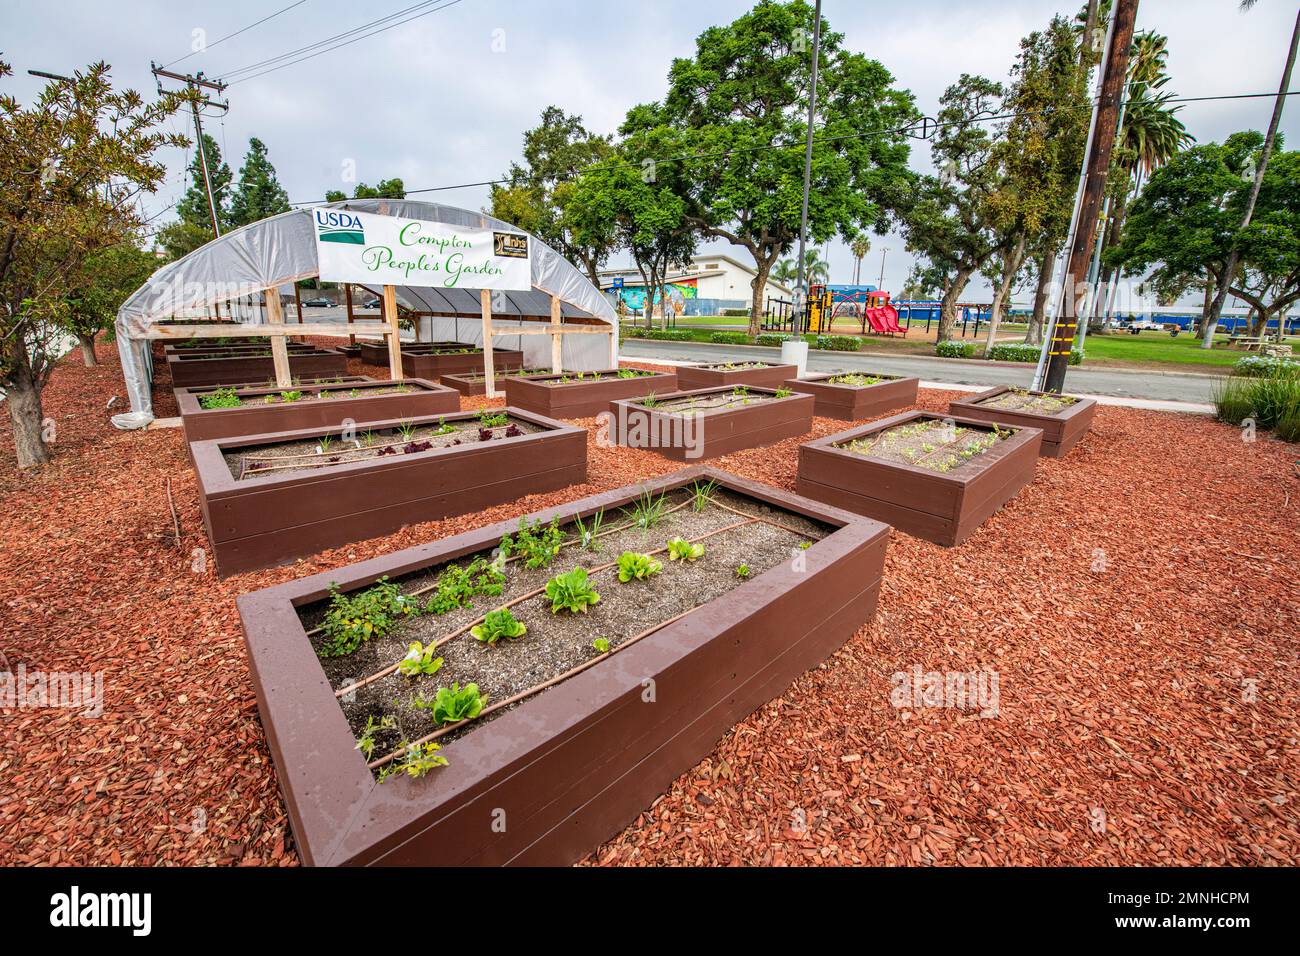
805, 545
416, 761
571, 592
290, 396
650, 401
601, 644
419, 660
487, 418
638, 565
588, 533
368, 438
406, 430
742, 571
535, 544
354, 619
443, 428
453, 704
324, 443
954, 349
496, 625
701, 495
784, 392
366, 742
221, 398
457, 587
647, 511
679, 549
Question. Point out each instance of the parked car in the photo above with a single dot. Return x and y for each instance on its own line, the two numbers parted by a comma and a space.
371, 304
319, 303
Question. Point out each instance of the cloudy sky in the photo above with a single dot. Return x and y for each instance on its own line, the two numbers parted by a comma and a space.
443, 99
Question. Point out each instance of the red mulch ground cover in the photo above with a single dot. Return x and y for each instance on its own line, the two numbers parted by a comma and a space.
1138, 602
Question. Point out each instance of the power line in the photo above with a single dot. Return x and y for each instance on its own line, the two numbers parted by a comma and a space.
346, 38
229, 36
927, 125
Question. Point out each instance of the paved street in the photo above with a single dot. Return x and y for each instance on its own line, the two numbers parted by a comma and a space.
1121, 383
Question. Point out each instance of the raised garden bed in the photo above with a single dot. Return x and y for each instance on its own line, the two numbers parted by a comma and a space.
762, 374
589, 716
436, 361
376, 353
228, 347
584, 394
1064, 419
708, 422
933, 477
853, 396
199, 368
210, 412
272, 497
475, 383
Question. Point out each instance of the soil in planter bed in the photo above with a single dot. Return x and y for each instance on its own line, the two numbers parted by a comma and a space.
577, 378
556, 643
1018, 401
343, 391
735, 366
855, 379
286, 458
737, 397
929, 443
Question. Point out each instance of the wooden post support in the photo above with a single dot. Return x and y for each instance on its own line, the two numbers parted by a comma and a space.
279, 343
394, 334
613, 346
347, 292
489, 370
557, 353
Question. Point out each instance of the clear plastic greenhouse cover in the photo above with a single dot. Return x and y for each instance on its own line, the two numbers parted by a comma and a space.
282, 250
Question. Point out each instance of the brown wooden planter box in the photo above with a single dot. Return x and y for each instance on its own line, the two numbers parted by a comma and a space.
943, 507
711, 376
428, 363
468, 384
568, 768
204, 369
376, 353
547, 395
423, 399
1060, 431
203, 348
854, 403
710, 433
270, 519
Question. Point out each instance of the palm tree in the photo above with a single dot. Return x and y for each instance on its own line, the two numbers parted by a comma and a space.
859, 247
815, 267
785, 271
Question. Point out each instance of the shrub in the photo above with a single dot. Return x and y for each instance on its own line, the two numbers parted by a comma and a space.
632, 332
1021, 352
951, 349
735, 313
838, 343
1272, 401
729, 338
774, 338
1288, 425
668, 335
1262, 366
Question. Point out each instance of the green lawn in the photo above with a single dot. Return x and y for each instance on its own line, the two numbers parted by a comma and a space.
1158, 347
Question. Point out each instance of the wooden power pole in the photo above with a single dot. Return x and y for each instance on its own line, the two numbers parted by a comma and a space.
1103, 139
195, 84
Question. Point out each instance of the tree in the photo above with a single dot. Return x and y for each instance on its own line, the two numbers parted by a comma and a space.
741, 105
645, 211
100, 286
859, 247
384, 189
259, 193
1185, 226
537, 196
72, 166
786, 271
950, 222
194, 215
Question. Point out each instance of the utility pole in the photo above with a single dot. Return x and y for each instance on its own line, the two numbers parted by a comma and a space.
196, 83
801, 289
881, 285
1103, 134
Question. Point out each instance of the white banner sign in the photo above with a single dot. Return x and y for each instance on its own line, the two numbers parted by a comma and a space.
386, 250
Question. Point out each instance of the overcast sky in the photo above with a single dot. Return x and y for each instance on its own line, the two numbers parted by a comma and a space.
444, 99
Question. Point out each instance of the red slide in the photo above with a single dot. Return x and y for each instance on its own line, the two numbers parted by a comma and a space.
877, 320
890, 317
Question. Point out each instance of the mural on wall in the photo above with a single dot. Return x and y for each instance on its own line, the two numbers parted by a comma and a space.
633, 296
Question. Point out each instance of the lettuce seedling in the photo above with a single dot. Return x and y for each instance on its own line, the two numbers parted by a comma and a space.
636, 564
455, 703
419, 660
496, 625
571, 592
679, 549
601, 644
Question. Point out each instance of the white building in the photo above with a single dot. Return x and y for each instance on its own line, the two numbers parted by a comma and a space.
712, 282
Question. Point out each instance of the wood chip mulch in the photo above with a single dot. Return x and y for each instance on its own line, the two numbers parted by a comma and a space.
1138, 602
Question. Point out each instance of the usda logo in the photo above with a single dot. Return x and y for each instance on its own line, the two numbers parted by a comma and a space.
335, 225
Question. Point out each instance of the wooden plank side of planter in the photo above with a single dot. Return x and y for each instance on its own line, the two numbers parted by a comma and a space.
322, 363
583, 399
722, 432
702, 376
425, 398
376, 353
850, 403
1060, 432
921, 524
574, 764
467, 384
427, 365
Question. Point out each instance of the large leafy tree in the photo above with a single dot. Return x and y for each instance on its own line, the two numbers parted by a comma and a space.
72, 166
951, 221
193, 226
99, 288
538, 192
630, 202
384, 189
741, 105
259, 193
1186, 226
